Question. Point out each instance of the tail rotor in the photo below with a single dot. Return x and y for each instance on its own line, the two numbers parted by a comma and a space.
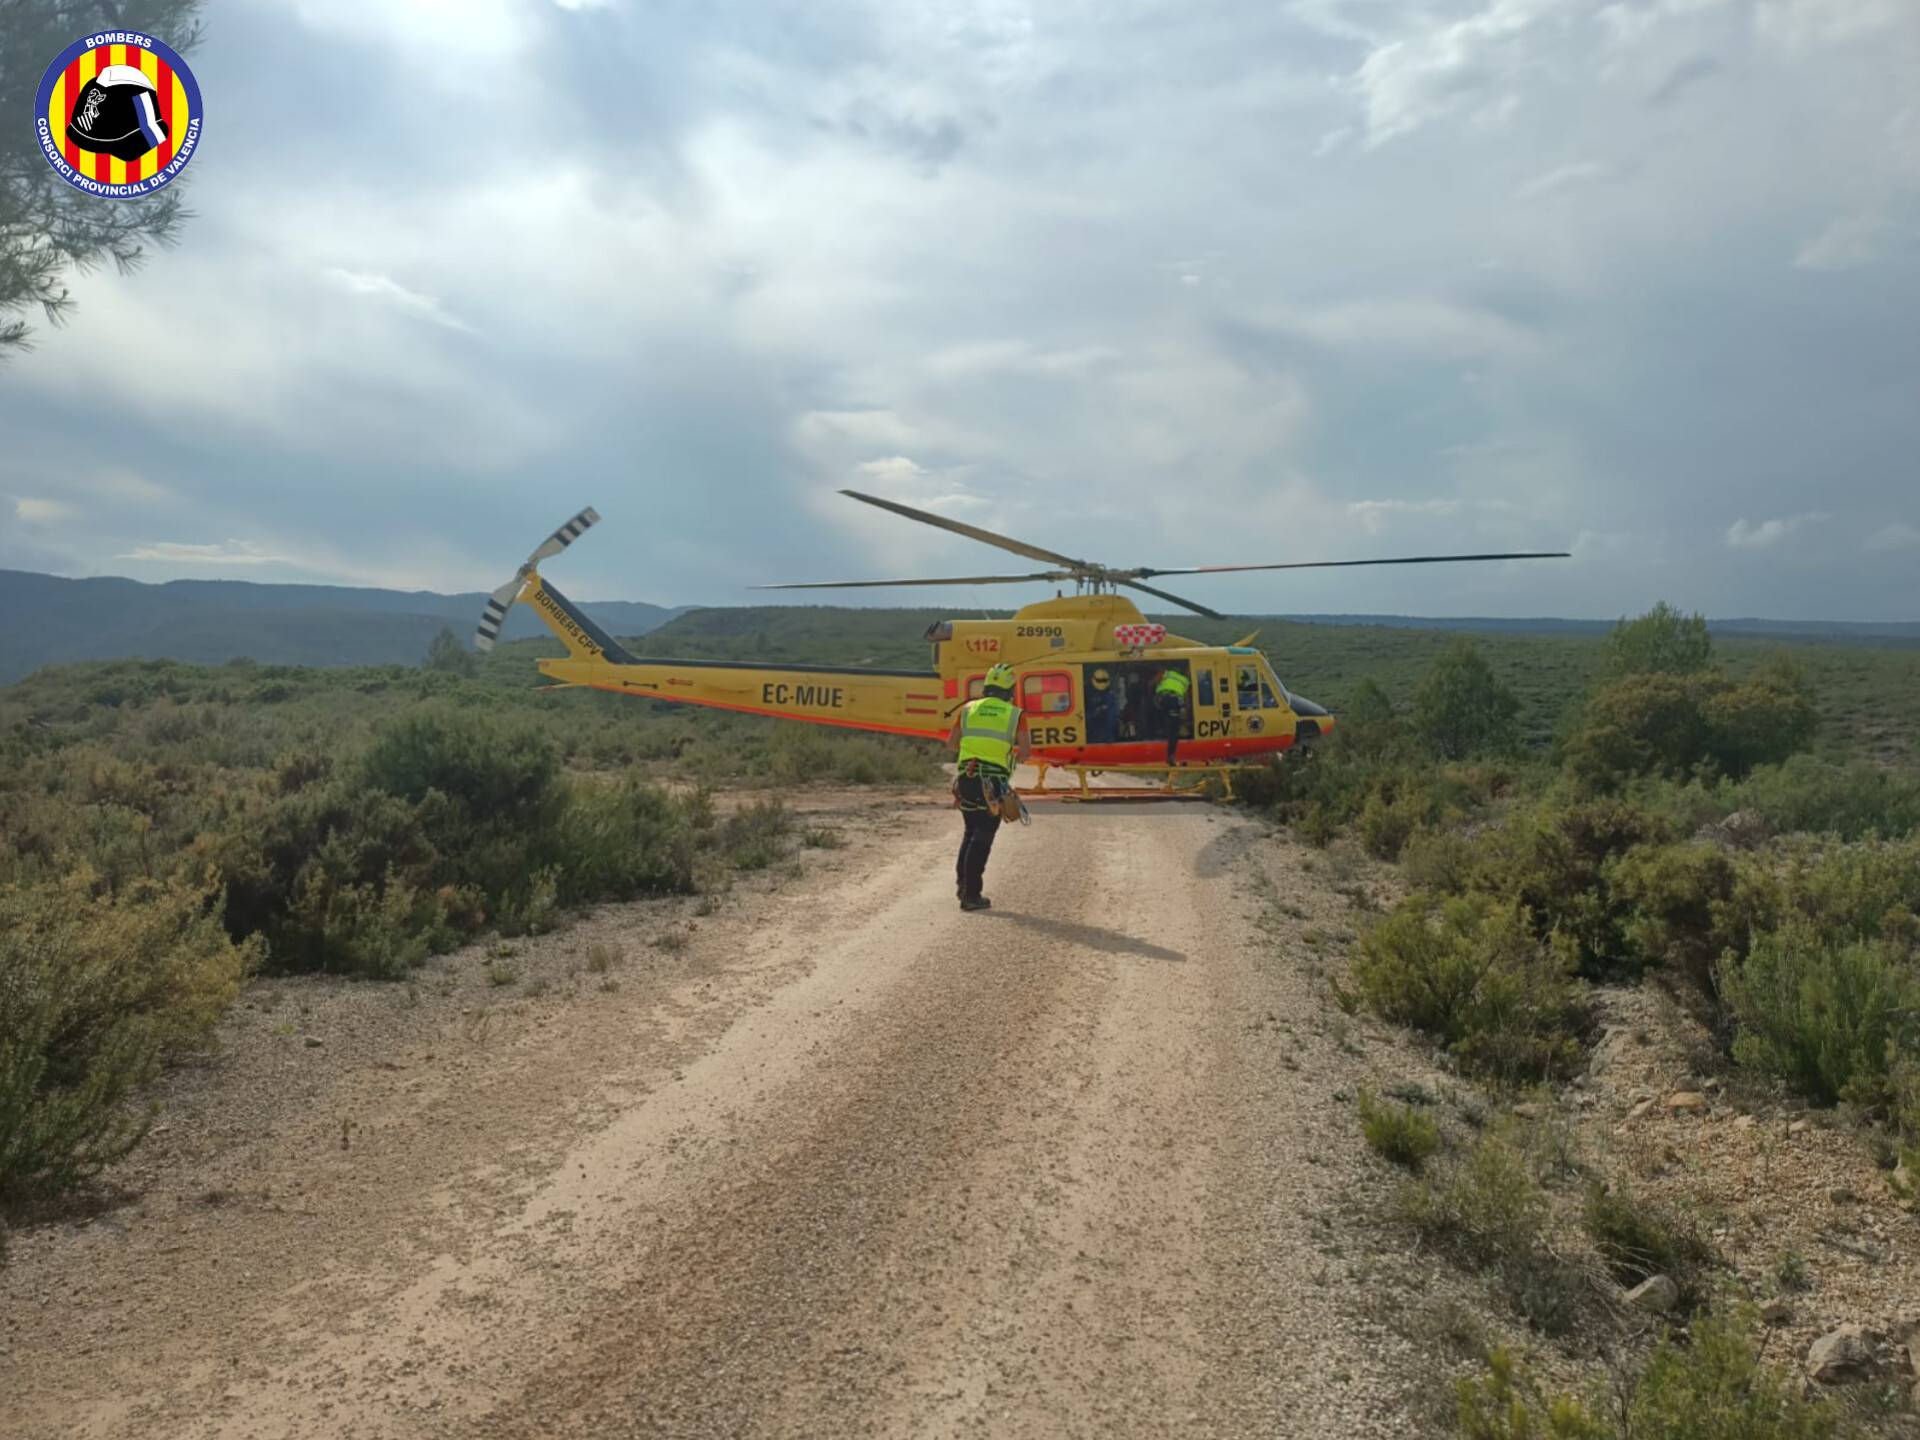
495, 614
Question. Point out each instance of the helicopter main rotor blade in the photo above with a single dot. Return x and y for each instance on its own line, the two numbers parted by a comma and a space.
1343, 564
922, 580
972, 532
1192, 605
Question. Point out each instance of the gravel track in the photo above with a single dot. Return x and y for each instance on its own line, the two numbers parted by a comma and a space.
855, 1163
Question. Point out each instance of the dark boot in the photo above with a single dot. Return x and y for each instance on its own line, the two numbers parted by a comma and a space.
975, 902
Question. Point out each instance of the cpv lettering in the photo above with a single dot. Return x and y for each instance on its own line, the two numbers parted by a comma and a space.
1211, 730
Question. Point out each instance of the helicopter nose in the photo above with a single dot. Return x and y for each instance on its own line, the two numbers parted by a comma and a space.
1313, 720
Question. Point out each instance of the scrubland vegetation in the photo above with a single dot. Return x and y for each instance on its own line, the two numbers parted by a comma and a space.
1683, 827
167, 830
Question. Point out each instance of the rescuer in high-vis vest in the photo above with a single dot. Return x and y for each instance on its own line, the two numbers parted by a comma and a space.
1170, 699
991, 740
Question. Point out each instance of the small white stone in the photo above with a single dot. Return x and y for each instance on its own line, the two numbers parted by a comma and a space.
1657, 1293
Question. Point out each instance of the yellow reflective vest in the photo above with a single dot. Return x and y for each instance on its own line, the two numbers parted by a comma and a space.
1173, 683
989, 728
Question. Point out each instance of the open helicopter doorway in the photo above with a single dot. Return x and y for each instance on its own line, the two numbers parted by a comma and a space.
1120, 708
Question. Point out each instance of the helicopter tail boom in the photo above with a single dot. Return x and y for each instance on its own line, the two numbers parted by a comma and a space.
887, 702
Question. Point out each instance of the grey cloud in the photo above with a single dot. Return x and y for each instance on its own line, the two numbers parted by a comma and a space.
927, 143
716, 261
1689, 73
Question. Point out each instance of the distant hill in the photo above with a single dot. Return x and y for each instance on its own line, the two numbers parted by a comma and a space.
45, 620
1876, 631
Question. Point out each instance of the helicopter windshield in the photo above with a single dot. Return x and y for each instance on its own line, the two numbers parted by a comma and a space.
1275, 688
1255, 687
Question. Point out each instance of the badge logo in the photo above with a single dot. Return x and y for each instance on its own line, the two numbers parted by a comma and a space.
118, 114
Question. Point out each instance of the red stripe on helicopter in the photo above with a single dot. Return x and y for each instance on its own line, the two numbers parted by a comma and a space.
1154, 753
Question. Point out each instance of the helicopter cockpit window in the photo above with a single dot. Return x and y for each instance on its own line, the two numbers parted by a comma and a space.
1048, 694
1247, 687
1272, 692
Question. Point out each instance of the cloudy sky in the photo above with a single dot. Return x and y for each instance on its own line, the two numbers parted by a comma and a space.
1174, 284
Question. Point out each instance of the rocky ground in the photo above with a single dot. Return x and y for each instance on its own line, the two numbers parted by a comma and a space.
826, 1156
833, 1158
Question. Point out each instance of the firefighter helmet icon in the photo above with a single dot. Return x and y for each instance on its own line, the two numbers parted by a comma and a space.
117, 113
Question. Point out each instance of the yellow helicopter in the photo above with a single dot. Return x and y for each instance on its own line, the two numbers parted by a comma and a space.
1086, 664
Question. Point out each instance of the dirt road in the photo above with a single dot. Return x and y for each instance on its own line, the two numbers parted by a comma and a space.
850, 1162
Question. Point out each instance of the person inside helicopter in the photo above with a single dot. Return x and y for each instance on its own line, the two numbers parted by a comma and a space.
1120, 703
1103, 706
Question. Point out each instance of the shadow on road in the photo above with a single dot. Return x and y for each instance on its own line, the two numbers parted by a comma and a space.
1110, 942
1216, 857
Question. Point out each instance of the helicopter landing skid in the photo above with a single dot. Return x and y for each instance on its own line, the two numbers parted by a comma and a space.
1171, 789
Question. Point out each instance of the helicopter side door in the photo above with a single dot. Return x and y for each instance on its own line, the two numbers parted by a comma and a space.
1256, 708
1212, 699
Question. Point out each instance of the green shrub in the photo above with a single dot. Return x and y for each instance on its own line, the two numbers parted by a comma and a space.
1853, 801
499, 769
531, 909
1763, 722
1487, 1208
447, 654
1712, 1385
1904, 1081
616, 842
1716, 1387
754, 836
1440, 860
1486, 1203
1399, 1133
1660, 642
379, 931
1374, 777
1639, 1239
1555, 860
1368, 708
807, 754
1832, 1017
1386, 824
1637, 725
1470, 972
1460, 709
1504, 1404
95, 992
1866, 890
799, 754
1678, 725
1678, 904
308, 871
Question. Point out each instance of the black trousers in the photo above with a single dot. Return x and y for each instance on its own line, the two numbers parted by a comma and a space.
976, 844
1172, 710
